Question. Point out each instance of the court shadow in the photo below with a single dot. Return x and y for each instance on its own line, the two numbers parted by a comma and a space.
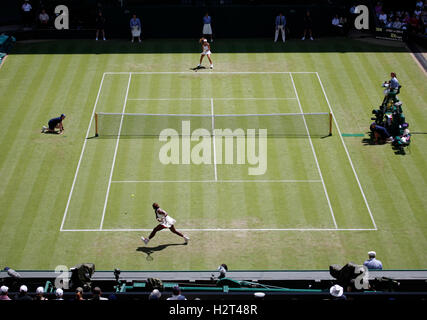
197, 68
150, 250
368, 142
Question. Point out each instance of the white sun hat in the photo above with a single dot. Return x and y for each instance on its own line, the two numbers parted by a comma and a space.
336, 291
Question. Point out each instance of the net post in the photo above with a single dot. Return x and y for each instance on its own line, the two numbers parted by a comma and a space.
330, 123
96, 124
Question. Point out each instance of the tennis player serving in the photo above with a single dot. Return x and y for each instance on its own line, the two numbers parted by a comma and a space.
166, 221
206, 51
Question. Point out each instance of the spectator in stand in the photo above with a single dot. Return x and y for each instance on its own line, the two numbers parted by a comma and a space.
59, 293
405, 21
176, 294
382, 18
336, 21
378, 8
308, 23
280, 26
419, 4
413, 22
418, 12
135, 27
96, 294
207, 28
4, 293
389, 23
27, 13
79, 294
43, 18
23, 294
337, 292
155, 295
372, 263
100, 25
39, 294
397, 24
336, 25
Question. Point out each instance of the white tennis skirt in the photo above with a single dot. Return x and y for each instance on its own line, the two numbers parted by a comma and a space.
204, 53
168, 222
136, 32
207, 29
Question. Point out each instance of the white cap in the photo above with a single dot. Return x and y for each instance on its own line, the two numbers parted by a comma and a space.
4, 289
336, 291
205, 40
259, 295
372, 253
39, 290
156, 293
23, 288
59, 292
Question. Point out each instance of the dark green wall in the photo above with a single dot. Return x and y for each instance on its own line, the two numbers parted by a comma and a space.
227, 22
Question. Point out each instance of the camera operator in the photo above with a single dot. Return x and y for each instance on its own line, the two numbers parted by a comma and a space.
380, 134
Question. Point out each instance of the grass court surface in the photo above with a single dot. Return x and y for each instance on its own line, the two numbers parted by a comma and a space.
75, 198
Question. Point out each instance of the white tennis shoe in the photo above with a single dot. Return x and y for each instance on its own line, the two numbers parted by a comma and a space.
145, 240
186, 239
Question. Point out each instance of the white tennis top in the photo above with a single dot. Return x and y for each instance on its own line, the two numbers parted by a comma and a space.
166, 220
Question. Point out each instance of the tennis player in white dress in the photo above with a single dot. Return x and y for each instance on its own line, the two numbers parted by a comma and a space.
166, 221
206, 51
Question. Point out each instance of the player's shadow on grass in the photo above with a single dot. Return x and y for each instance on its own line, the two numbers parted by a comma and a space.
150, 250
198, 68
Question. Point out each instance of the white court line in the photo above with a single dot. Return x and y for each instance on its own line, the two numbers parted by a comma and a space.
348, 154
221, 99
115, 154
222, 229
314, 153
216, 229
216, 181
213, 139
81, 154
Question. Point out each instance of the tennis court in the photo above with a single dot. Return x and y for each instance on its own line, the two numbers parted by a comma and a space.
322, 200
301, 189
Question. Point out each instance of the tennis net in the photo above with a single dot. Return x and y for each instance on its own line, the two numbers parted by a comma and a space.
276, 124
